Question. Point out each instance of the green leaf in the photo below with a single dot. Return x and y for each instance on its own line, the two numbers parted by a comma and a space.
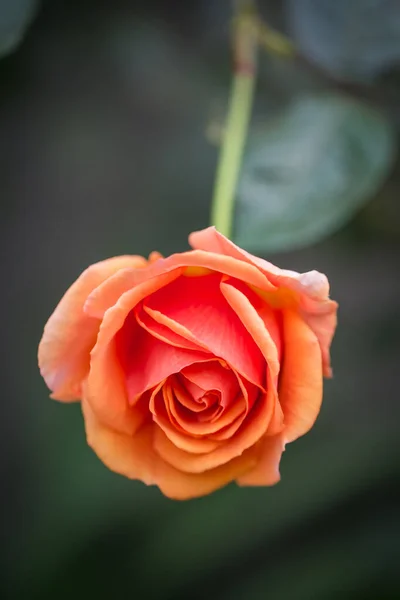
308, 171
15, 17
355, 40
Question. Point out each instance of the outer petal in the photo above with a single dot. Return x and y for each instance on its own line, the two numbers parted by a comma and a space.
193, 262
300, 384
310, 290
70, 334
313, 283
106, 383
134, 457
266, 471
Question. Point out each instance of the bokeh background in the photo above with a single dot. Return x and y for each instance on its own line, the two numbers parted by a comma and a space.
110, 115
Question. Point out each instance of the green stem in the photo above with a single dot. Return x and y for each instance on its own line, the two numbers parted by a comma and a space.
235, 132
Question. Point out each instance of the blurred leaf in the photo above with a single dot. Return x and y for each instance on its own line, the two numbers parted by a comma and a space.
308, 171
353, 40
15, 17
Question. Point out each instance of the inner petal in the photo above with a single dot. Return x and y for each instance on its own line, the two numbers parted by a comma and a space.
175, 328
198, 305
262, 324
162, 332
213, 376
184, 390
253, 429
248, 396
200, 422
211, 413
147, 360
195, 392
160, 408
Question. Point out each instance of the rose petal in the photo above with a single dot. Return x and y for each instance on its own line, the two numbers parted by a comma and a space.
259, 328
313, 283
161, 405
249, 395
175, 328
163, 332
323, 324
277, 422
300, 386
191, 400
106, 383
311, 290
198, 305
266, 471
187, 423
154, 256
252, 430
213, 376
134, 457
70, 334
107, 294
152, 361
263, 326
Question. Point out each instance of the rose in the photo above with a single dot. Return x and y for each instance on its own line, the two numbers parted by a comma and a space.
194, 370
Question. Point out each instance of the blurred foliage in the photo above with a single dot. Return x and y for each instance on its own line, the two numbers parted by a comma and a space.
15, 17
308, 170
357, 40
103, 114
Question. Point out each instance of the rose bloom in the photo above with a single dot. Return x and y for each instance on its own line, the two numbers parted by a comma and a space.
193, 370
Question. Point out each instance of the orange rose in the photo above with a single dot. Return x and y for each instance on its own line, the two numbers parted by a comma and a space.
193, 370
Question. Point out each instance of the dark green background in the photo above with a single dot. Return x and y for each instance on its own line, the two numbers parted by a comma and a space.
103, 112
